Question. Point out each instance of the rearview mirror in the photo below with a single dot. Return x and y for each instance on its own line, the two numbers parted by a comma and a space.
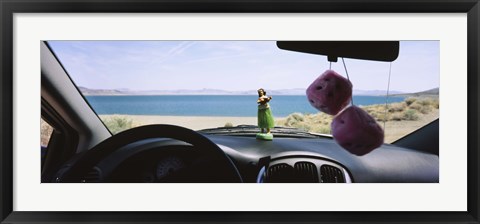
366, 50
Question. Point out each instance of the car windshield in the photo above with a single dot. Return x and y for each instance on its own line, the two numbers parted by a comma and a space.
215, 85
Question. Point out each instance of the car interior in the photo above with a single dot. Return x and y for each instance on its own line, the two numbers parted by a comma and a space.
83, 150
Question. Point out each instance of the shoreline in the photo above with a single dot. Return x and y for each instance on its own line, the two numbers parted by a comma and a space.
191, 122
393, 129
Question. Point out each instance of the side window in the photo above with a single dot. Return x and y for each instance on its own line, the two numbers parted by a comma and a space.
45, 133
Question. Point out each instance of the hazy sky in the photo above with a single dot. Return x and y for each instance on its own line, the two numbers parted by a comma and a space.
234, 65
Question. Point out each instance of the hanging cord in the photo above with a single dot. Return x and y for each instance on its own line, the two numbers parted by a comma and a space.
347, 76
330, 69
386, 98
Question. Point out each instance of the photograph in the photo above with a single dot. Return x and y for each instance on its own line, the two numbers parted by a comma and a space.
240, 111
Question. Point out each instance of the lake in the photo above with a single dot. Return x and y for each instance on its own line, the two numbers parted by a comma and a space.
211, 105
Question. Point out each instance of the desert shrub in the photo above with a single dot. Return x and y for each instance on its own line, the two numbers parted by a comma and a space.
416, 106
396, 117
318, 123
228, 125
324, 118
280, 122
425, 105
303, 127
319, 119
410, 100
323, 129
377, 111
368, 109
290, 122
376, 107
118, 124
425, 109
425, 102
294, 119
297, 116
410, 115
397, 107
435, 104
377, 114
381, 116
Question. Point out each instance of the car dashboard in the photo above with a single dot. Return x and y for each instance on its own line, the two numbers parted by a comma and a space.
283, 160
321, 160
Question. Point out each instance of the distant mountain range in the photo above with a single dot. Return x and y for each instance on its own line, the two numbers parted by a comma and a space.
374, 92
430, 92
88, 91
295, 91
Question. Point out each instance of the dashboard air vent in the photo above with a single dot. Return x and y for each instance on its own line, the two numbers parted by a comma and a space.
306, 172
331, 174
280, 173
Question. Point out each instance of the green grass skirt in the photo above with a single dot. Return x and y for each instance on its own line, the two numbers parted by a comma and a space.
265, 118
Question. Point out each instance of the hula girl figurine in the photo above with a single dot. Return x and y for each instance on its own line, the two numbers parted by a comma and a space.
265, 117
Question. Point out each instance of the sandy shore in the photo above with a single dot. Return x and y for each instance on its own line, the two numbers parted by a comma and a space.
394, 129
192, 122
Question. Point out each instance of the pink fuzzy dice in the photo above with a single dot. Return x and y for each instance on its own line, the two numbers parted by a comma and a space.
356, 131
330, 92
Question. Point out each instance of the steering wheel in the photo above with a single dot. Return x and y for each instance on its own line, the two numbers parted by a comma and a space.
226, 172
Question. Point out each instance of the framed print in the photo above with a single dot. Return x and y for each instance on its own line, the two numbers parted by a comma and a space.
210, 111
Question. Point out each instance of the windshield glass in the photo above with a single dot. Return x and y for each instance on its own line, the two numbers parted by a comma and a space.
210, 84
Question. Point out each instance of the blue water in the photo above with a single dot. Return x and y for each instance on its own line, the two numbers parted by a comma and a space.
195, 105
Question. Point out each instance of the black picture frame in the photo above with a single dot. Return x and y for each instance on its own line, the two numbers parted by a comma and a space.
10, 7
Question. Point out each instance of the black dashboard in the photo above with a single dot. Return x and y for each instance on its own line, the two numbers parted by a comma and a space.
388, 164
283, 160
